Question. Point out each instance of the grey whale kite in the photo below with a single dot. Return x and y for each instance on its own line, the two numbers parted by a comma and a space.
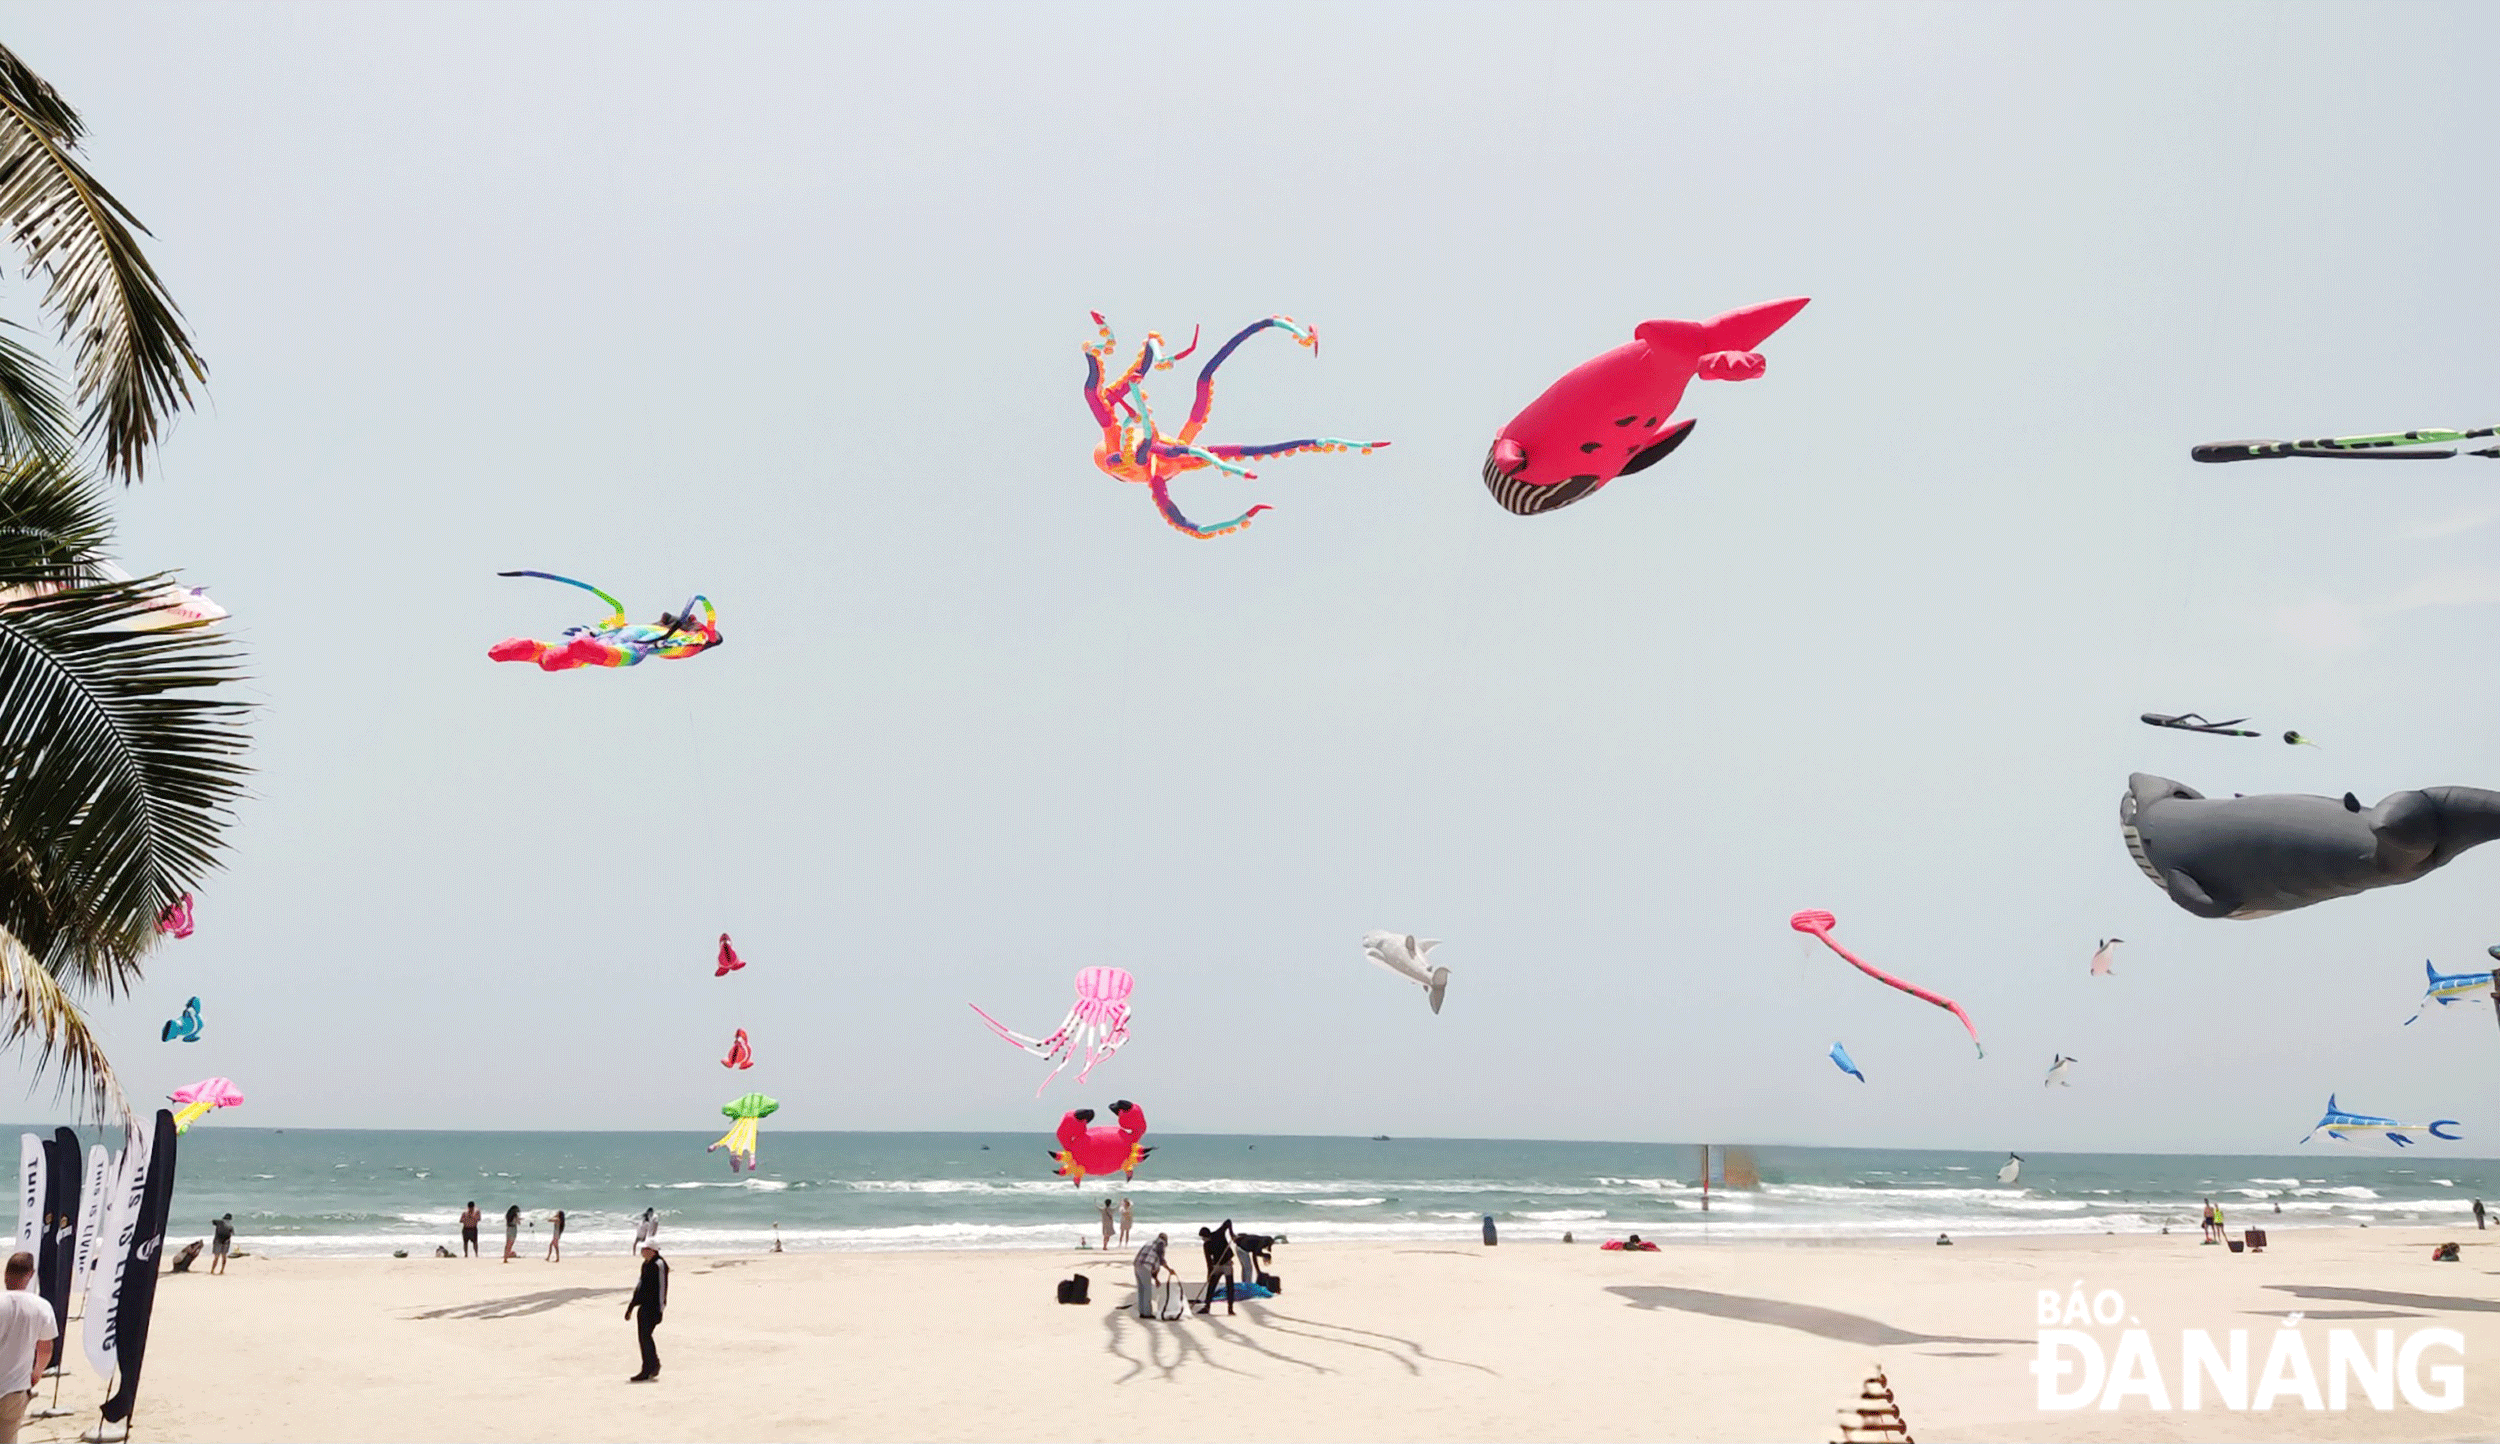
2252, 857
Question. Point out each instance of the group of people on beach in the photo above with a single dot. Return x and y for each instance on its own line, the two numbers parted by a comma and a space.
1232, 1258
512, 1221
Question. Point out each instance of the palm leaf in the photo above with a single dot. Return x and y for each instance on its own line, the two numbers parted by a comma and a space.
125, 332
36, 1012
33, 420
116, 777
54, 525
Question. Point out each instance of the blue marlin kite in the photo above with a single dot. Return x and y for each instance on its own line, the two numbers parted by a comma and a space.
2449, 989
2346, 1127
187, 1027
1840, 1060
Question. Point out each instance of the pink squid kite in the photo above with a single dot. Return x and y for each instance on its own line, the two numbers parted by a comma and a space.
200, 1099
1820, 924
1609, 417
1133, 449
1095, 1027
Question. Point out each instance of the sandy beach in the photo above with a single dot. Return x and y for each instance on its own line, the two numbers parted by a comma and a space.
1424, 1341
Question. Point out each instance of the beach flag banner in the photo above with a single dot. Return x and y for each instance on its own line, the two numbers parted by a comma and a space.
135, 1290
90, 1213
30, 1173
112, 1251
60, 1238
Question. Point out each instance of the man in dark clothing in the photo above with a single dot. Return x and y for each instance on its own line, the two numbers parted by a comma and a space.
1218, 1243
649, 1303
2478, 1213
223, 1228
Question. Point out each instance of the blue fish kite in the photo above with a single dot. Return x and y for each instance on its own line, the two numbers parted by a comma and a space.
2449, 989
187, 1027
2346, 1127
1840, 1060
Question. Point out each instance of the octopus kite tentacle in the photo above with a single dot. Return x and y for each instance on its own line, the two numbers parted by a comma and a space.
1820, 923
1205, 403
1171, 513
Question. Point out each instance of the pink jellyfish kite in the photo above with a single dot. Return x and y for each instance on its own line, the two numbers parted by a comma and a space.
1820, 924
1610, 417
740, 1055
726, 960
1095, 1027
201, 1099
176, 918
1114, 1147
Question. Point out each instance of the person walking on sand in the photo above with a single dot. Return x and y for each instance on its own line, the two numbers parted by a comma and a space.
27, 1330
649, 1303
469, 1218
1128, 1215
1151, 1262
223, 1239
511, 1230
555, 1236
1106, 1223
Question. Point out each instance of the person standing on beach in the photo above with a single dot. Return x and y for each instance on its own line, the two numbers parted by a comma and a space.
555, 1237
2478, 1212
511, 1230
646, 1229
1127, 1216
468, 1229
223, 1231
650, 1301
27, 1330
1218, 1245
1150, 1262
1106, 1223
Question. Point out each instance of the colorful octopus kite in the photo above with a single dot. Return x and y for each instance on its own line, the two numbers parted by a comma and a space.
202, 1098
746, 1111
1820, 923
1132, 449
1115, 1147
612, 641
1095, 1027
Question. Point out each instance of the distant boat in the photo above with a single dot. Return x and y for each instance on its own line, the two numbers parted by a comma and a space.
1380, 1138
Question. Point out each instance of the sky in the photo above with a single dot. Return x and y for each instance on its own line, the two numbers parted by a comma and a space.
784, 304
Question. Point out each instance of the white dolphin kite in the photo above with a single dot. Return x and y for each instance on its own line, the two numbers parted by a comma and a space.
2058, 1064
1404, 955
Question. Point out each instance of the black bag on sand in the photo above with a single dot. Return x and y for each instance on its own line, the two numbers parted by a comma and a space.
1271, 1283
1073, 1291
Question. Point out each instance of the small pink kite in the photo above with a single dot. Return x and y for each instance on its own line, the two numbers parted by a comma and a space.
1095, 1027
728, 960
740, 1054
1820, 924
176, 918
2101, 959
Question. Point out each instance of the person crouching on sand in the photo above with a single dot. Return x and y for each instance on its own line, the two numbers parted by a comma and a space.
650, 1301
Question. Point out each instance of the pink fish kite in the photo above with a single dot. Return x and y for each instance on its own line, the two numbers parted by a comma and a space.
202, 1098
1820, 924
726, 960
1115, 1147
1610, 417
176, 918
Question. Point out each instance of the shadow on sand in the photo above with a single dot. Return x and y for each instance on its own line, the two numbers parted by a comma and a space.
1222, 1340
1779, 1313
2386, 1298
520, 1305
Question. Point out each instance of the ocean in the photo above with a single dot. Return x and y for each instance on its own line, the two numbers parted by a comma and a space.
344, 1193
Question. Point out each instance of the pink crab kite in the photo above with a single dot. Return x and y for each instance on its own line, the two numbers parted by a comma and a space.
1095, 1027
1132, 449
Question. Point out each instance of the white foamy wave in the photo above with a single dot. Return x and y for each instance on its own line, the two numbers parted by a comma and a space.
1557, 1215
1341, 1202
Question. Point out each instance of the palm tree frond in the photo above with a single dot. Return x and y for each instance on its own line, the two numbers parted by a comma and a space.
35, 1012
33, 421
116, 778
134, 362
55, 524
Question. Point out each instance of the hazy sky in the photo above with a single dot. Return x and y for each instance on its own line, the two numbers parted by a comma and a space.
784, 304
